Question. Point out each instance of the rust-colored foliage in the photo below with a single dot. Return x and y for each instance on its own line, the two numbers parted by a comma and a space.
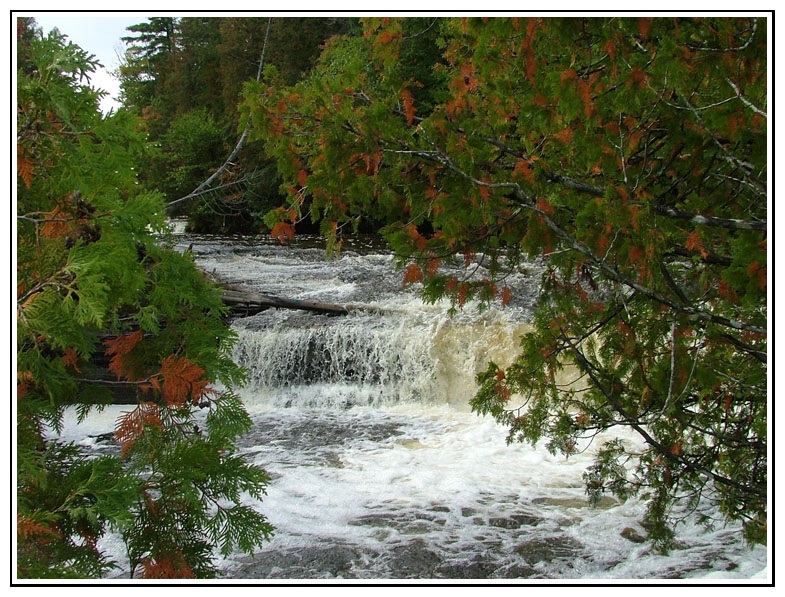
411, 274
695, 243
130, 426
408, 105
568, 74
70, 358
24, 165
545, 207
584, 89
526, 169
726, 292
644, 26
283, 231
755, 270
170, 566
610, 49
463, 293
433, 266
181, 378
565, 136
506, 296
27, 528
55, 227
118, 348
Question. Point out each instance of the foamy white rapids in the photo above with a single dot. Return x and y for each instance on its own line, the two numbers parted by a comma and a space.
408, 356
379, 470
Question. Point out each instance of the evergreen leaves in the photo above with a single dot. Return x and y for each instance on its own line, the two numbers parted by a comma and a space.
94, 282
623, 153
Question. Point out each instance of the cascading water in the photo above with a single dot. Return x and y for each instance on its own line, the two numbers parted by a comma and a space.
379, 469
371, 360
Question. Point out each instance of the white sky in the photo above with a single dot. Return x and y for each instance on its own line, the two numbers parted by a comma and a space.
99, 35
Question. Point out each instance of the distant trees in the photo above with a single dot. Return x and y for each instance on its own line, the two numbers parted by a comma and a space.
631, 154
93, 282
189, 72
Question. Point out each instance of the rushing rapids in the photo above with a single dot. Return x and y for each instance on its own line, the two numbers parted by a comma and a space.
379, 469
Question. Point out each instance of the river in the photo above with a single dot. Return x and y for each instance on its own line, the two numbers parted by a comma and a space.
380, 471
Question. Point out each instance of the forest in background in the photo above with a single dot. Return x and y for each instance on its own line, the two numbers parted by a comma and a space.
184, 77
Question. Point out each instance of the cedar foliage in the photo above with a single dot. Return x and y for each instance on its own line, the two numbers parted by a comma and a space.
90, 266
631, 155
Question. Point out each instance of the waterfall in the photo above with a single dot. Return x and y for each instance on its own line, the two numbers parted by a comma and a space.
413, 356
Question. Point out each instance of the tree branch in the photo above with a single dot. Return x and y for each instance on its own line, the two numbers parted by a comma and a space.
171, 205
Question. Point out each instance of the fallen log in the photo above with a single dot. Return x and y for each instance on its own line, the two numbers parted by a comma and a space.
244, 302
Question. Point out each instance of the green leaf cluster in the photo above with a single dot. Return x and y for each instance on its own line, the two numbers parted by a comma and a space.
104, 310
629, 155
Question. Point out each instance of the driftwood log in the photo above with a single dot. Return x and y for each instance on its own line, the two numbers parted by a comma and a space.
244, 302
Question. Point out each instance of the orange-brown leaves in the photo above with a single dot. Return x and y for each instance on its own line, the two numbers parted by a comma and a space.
569, 74
637, 77
408, 105
418, 239
468, 256
432, 266
506, 296
726, 292
181, 378
602, 243
635, 214
503, 390
756, 270
463, 294
55, 227
695, 243
565, 136
644, 26
27, 528
118, 348
283, 231
411, 274
525, 169
24, 377
545, 207
302, 177
70, 358
130, 426
24, 165
455, 107
610, 49
169, 566
584, 89
635, 254
387, 37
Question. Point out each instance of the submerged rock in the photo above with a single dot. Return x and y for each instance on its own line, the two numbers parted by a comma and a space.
330, 561
632, 535
544, 550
